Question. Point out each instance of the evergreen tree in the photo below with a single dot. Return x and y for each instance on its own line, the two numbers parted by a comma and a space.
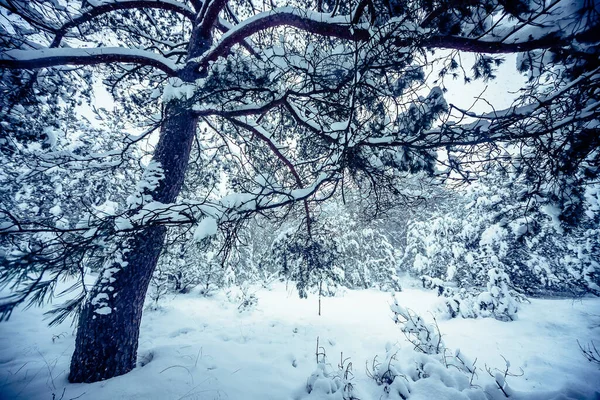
500, 225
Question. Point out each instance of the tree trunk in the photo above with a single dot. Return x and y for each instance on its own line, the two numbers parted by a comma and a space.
109, 325
320, 292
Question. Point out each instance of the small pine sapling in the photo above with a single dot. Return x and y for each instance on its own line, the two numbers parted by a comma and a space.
498, 301
385, 374
159, 287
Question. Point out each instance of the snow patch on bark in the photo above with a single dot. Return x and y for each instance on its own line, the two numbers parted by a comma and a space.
103, 311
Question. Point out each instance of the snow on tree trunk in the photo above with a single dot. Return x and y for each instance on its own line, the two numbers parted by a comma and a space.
109, 325
108, 331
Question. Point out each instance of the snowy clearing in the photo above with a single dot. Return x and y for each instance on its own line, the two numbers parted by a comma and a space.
205, 348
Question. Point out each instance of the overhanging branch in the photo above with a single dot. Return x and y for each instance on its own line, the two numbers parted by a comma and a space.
44, 58
104, 8
315, 23
552, 40
283, 159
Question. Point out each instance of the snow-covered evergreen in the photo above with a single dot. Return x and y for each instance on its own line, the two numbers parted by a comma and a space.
496, 224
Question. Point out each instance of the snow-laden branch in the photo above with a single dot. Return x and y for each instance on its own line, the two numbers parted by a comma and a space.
342, 27
495, 126
313, 22
240, 111
44, 58
472, 45
100, 8
265, 136
209, 14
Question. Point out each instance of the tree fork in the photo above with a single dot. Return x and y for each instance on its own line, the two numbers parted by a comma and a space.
109, 324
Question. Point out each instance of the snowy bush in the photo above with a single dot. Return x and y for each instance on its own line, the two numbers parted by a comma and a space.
427, 366
403, 373
243, 297
329, 381
498, 224
188, 265
500, 389
363, 256
424, 337
158, 289
424, 366
311, 261
326, 380
461, 303
498, 301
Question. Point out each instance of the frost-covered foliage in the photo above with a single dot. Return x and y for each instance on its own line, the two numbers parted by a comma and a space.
211, 263
243, 296
498, 301
367, 257
295, 121
500, 225
425, 337
343, 250
403, 372
159, 288
335, 383
326, 381
70, 188
311, 261
360, 251
186, 266
428, 365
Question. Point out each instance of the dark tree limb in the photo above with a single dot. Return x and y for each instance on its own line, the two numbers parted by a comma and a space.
552, 40
285, 18
290, 166
44, 58
105, 8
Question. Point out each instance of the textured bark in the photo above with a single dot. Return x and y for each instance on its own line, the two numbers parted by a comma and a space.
106, 344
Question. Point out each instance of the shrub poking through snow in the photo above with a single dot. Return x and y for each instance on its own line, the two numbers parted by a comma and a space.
424, 337
501, 389
387, 374
424, 368
590, 352
406, 373
497, 302
243, 296
158, 289
326, 380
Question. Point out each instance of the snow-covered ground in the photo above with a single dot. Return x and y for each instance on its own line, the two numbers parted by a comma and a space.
204, 348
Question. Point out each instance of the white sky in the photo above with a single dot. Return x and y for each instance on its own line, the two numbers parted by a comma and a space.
500, 92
